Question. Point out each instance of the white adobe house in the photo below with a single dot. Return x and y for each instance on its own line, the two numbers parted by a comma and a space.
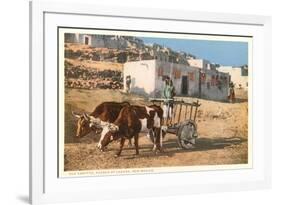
201, 63
239, 76
147, 78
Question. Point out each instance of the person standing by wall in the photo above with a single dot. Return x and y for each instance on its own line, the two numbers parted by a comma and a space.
231, 94
128, 84
168, 96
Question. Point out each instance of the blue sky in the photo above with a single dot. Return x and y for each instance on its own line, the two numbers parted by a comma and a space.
228, 53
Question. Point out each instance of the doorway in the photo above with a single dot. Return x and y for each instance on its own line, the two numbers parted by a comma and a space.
184, 85
87, 40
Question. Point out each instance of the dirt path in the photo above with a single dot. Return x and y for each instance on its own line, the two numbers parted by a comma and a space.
222, 129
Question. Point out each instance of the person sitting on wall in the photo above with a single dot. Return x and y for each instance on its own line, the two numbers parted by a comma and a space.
168, 95
128, 84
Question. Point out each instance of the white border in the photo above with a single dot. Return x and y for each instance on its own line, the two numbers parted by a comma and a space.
108, 172
46, 187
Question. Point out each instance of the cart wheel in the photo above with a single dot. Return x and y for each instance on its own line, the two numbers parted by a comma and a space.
187, 135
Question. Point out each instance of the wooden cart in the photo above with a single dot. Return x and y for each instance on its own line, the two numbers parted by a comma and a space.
183, 123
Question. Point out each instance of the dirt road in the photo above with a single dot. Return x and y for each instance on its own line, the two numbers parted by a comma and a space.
222, 130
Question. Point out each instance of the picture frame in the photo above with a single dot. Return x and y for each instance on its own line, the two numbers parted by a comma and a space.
47, 187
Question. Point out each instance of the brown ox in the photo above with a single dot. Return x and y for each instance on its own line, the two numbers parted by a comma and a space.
131, 121
106, 112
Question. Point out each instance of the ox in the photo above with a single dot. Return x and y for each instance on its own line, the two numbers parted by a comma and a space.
106, 112
130, 122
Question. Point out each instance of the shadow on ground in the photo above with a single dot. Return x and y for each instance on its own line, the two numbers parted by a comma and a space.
171, 147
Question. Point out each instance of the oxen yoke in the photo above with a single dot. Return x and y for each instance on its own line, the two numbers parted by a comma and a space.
152, 120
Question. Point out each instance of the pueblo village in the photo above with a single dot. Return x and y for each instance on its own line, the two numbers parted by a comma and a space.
209, 100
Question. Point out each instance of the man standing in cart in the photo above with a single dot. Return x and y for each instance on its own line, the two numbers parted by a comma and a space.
168, 96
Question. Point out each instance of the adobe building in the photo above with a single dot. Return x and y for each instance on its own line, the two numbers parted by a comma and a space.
239, 76
147, 78
201, 63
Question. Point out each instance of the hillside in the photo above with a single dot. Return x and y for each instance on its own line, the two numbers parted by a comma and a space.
94, 65
83, 70
81, 52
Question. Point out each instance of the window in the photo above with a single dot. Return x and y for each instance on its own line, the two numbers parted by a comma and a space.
160, 72
191, 76
176, 73
203, 77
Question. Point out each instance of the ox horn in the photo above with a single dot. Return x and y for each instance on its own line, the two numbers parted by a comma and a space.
86, 116
76, 114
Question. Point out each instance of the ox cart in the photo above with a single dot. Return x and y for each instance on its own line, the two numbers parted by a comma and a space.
183, 122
